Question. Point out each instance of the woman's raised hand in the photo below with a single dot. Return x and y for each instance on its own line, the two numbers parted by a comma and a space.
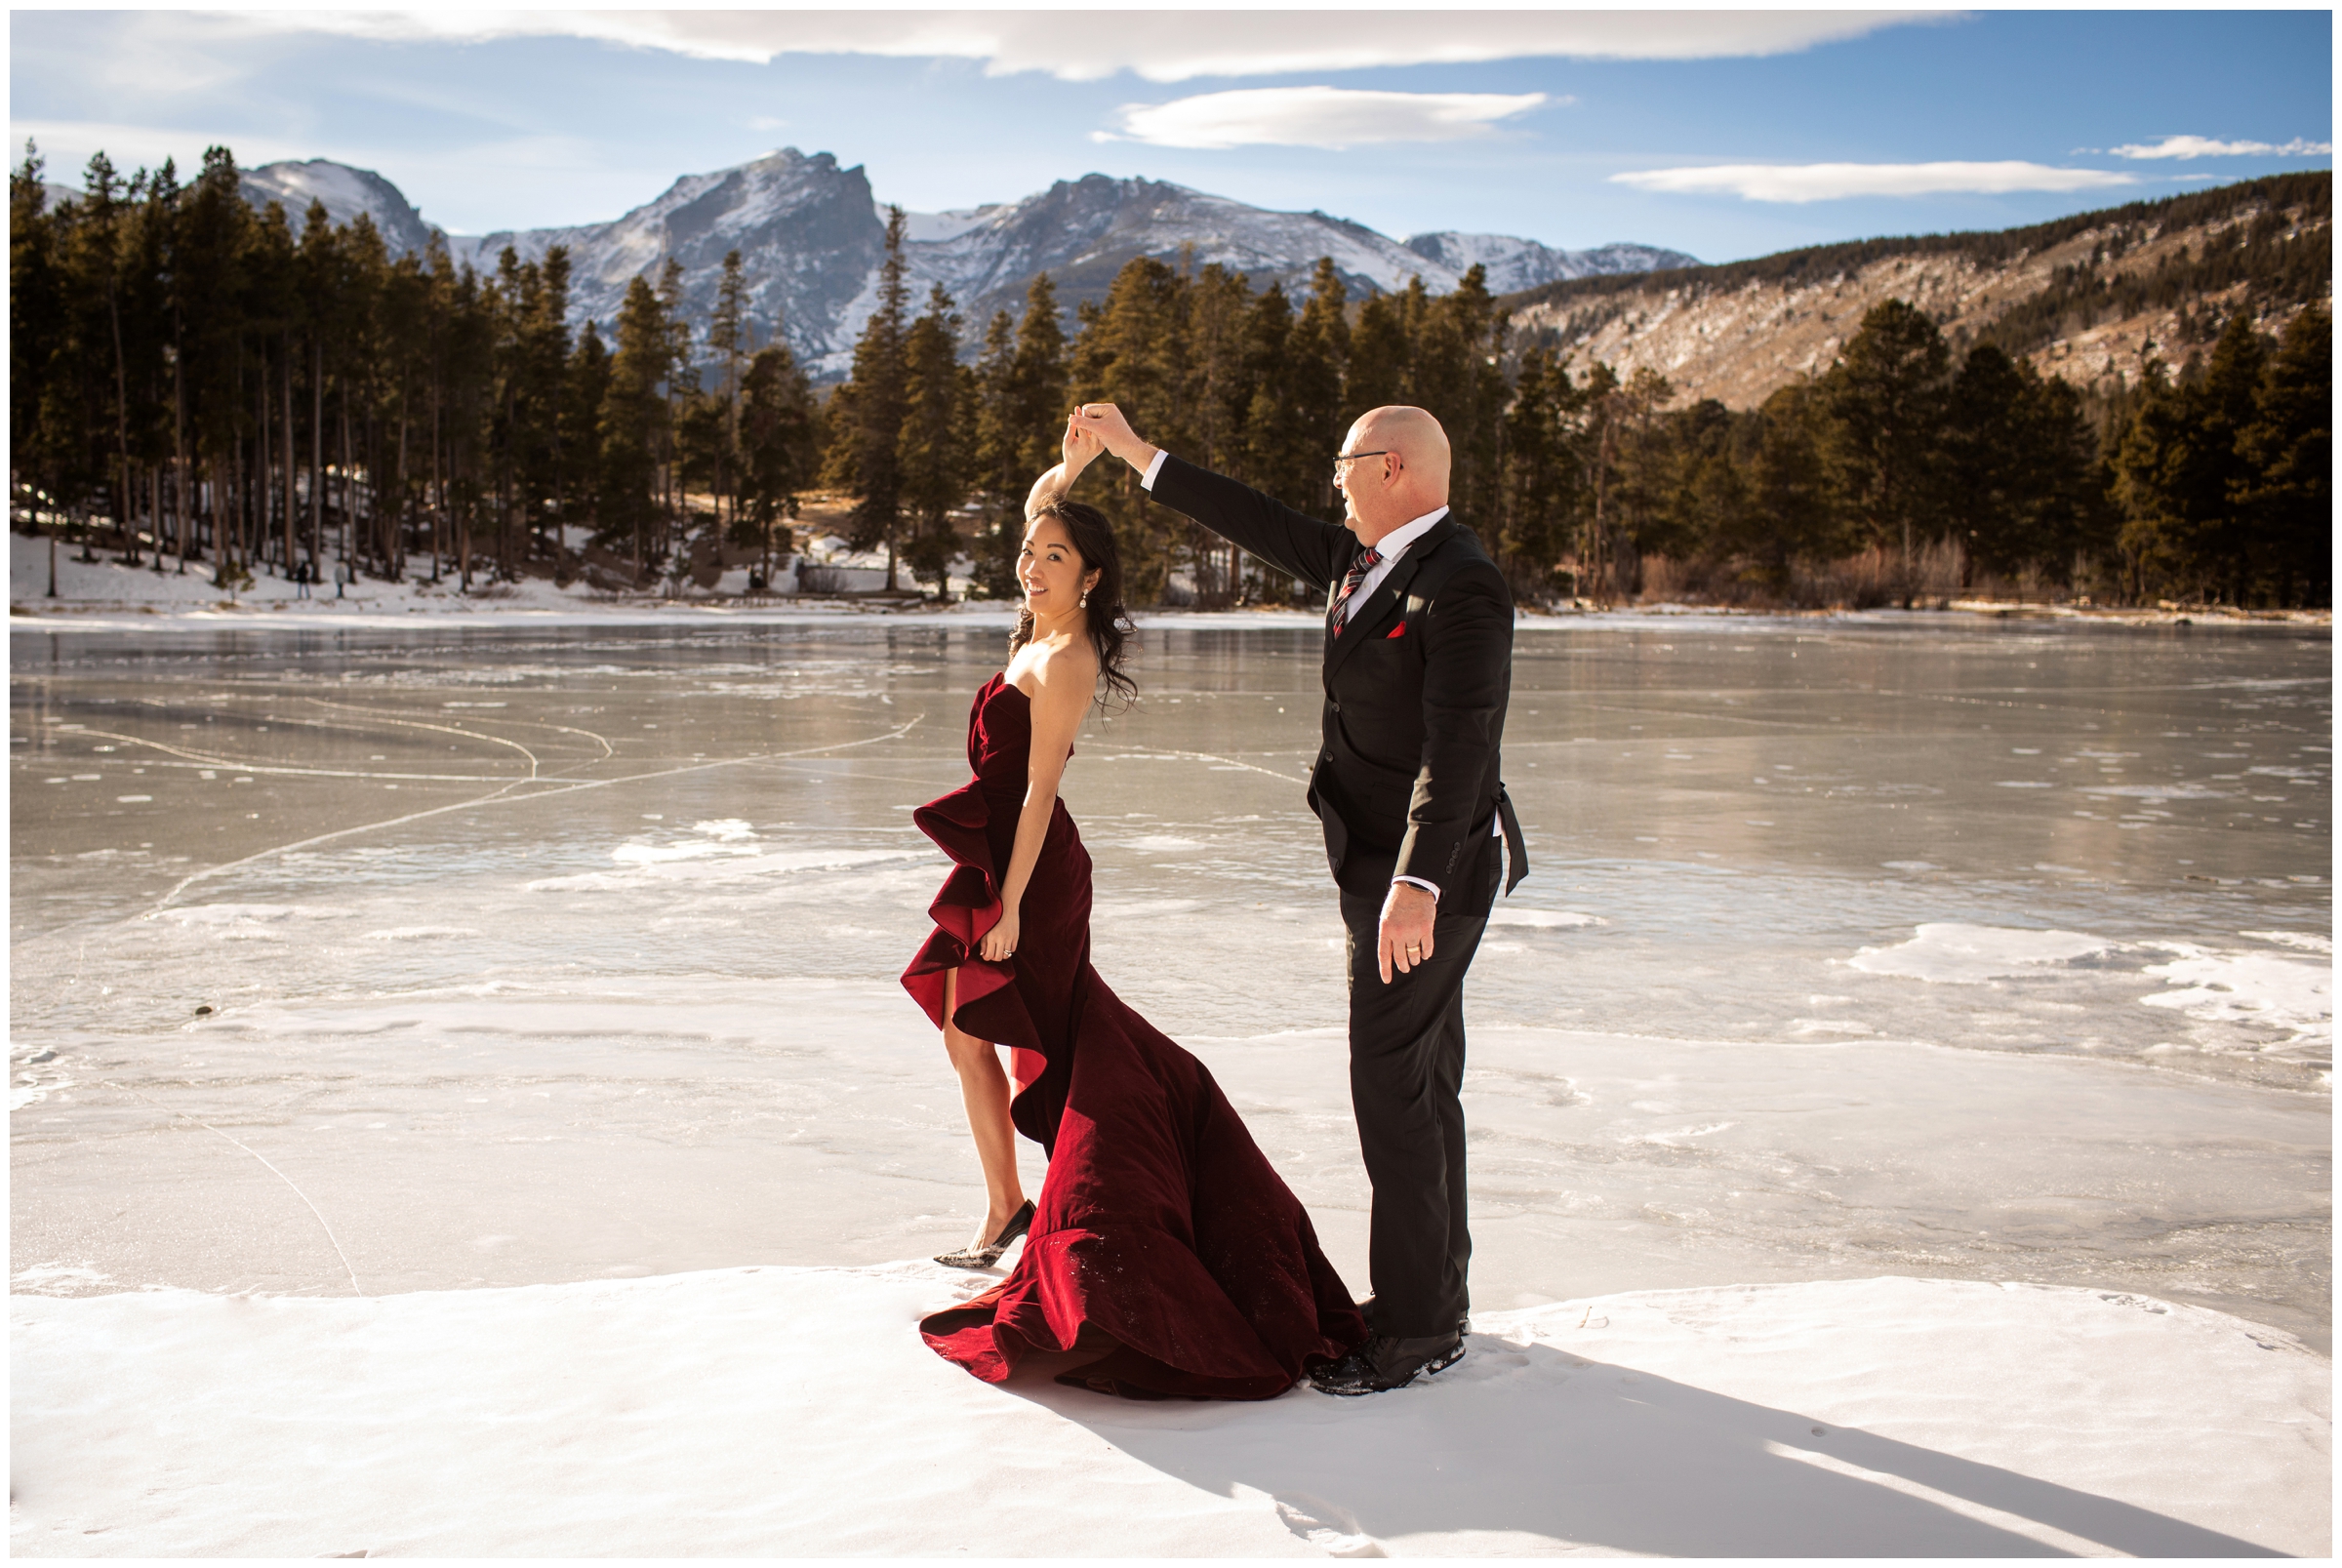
1080, 446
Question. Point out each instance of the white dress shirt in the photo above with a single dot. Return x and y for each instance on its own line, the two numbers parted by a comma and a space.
1391, 548
1393, 545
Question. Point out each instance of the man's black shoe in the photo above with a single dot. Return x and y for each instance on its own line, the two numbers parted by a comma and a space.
1383, 1363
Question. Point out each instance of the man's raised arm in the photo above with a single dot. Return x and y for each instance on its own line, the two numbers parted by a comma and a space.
1293, 541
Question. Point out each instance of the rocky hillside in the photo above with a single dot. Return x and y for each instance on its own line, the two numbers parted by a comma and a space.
2088, 298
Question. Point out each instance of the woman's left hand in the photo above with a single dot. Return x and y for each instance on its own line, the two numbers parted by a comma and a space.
1080, 447
1000, 942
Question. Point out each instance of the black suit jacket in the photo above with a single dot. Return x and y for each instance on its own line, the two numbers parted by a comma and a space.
1408, 781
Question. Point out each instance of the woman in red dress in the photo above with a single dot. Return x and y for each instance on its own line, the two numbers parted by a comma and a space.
1161, 1238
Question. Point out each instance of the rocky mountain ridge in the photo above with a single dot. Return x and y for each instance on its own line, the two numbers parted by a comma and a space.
812, 235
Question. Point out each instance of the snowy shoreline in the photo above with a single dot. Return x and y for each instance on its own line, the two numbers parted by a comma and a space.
106, 595
755, 1411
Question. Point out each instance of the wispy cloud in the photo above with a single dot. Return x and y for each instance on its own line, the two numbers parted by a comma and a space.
1317, 117
2198, 146
66, 144
1832, 182
1163, 46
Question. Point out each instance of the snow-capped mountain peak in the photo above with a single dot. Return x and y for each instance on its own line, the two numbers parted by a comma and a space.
811, 237
345, 192
1518, 264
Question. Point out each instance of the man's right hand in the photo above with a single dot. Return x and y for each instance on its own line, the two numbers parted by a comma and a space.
1107, 423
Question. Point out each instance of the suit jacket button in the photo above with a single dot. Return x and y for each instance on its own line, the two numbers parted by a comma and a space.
1336, 707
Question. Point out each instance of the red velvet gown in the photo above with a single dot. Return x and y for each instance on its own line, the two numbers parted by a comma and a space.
1161, 1225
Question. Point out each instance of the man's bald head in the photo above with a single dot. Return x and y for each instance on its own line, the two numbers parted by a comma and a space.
1387, 492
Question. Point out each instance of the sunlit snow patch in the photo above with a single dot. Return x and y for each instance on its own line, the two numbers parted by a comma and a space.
730, 863
2306, 941
2248, 987
56, 1279
245, 922
1948, 952
1544, 919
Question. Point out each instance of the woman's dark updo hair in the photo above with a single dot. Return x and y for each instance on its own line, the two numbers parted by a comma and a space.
1110, 626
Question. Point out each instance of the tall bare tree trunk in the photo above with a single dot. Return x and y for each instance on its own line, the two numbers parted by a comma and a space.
349, 497
438, 487
291, 526
395, 557
178, 447
113, 311
316, 447
265, 482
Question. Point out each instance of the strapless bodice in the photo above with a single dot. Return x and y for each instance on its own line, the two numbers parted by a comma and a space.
1000, 736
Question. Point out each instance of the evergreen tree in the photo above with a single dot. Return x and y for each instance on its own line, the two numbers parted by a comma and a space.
935, 450
1545, 473
1023, 401
1128, 353
632, 423
780, 442
38, 336
727, 338
2020, 460
2180, 476
1224, 373
1382, 351
998, 460
1793, 505
865, 413
586, 388
1887, 400
1313, 372
2286, 492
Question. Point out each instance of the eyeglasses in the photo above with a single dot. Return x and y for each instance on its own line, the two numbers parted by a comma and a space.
1353, 457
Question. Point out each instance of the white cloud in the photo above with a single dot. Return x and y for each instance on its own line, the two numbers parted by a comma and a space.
2196, 146
1317, 117
1163, 46
66, 144
1831, 181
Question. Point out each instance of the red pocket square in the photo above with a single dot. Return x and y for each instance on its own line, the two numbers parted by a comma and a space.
1399, 630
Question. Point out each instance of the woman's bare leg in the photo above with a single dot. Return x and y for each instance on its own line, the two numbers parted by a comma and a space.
985, 1088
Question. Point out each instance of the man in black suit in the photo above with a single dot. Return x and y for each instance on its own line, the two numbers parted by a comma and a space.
1417, 667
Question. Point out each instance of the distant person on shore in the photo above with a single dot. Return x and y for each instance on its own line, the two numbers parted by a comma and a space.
1410, 787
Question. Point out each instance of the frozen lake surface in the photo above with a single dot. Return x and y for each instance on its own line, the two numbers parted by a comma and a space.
1886, 947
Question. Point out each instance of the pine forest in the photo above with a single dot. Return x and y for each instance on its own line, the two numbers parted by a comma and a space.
241, 392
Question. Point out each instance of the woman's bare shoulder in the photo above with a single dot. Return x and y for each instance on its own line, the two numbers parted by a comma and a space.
1067, 674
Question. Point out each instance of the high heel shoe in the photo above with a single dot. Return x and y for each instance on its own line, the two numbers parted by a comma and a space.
985, 1255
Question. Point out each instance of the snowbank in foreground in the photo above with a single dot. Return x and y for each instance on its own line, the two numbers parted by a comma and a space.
794, 1411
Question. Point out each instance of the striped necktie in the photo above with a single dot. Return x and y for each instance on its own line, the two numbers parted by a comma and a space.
1367, 561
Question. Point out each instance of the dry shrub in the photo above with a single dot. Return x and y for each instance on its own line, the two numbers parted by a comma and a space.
1868, 580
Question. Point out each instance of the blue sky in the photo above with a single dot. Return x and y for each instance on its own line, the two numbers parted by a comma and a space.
1722, 134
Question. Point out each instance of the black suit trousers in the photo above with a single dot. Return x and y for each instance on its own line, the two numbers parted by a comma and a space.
1406, 1067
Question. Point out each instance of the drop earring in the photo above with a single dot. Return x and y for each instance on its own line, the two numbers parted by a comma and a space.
1085, 599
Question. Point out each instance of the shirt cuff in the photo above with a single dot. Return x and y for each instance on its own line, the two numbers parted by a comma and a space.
1153, 468
1432, 888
